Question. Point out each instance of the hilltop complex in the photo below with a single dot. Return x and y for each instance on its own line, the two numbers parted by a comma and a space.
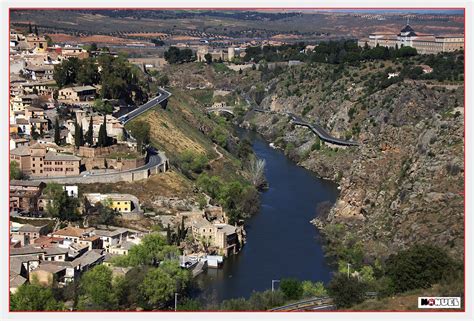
424, 43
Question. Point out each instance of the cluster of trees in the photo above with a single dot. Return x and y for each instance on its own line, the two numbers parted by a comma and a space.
140, 130
446, 66
333, 52
290, 290
192, 163
80, 139
176, 237
347, 51
118, 78
34, 297
418, 267
239, 200
61, 205
103, 140
76, 71
175, 55
275, 53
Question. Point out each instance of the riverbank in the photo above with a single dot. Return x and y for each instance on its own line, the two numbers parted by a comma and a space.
281, 241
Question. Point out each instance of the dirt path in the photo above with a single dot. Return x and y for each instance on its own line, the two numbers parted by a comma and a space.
218, 153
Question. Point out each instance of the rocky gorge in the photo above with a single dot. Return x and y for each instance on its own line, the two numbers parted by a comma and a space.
404, 184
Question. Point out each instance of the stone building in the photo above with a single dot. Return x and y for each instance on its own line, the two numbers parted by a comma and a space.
77, 94
422, 42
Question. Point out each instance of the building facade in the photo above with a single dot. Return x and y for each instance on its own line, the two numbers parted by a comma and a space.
423, 43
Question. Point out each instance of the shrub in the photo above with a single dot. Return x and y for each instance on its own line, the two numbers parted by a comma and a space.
419, 267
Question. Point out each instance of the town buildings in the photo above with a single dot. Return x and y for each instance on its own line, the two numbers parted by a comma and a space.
422, 42
77, 94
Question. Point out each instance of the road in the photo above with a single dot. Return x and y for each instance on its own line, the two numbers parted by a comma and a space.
323, 303
162, 96
154, 157
315, 128
321, 132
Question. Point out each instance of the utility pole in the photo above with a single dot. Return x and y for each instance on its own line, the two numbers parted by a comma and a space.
175, 301
348, 269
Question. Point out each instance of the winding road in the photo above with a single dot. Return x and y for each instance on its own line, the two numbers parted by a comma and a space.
155, 158
315, 128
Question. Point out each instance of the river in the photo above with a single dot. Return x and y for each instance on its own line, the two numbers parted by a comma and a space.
281, 241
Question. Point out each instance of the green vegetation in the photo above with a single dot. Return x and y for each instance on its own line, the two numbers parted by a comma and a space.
346, 291
175, 55
103, 140
97, 290
103, 106
240, 200
160, 284
190, 162
291, 288
78, 134
15, 172
61, 205
34, 297
106, 214
419, 267
118, 78
152, 250
57, 132
140, 130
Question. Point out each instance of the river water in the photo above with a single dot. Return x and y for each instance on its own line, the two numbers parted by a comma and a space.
281, 241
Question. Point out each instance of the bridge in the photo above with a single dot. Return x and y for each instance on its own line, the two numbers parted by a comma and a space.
221, 110
315, 128
318, 303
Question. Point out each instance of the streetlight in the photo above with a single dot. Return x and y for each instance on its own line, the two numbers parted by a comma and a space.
175, 301
273, 284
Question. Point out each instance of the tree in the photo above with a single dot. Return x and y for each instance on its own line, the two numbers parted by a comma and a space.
65, 73
150, 251
419, 267
34, 297
174, 55
90, 133
313, 289
36, 30
88, 73
30, 29
33, 133
208, 58
49, 41
77, 134
346, 291
107, 214
140, 130
103, 140
291, 288
103, 106
96, 290
161, 283
57, 132
61, 205
257, 171
15, 172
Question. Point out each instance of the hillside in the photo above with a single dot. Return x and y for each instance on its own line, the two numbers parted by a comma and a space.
405, 183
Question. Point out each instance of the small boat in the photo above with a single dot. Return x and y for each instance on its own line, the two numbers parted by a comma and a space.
272, 145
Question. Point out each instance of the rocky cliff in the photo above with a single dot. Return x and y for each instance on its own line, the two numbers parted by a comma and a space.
405, 183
